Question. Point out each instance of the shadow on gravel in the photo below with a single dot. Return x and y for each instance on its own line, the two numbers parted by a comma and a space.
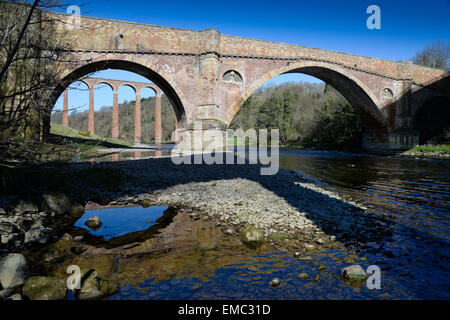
106, 182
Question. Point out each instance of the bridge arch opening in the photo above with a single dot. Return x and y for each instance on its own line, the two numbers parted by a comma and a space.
171, 104
348, 95
91, 68
432, 120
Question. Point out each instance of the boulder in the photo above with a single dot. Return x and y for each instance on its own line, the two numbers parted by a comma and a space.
38, 233
24, 206
45, 288
4, 294
354, 272
16, 296
251, 236
90, 287
58, 203
13, 270
61, 247
109, 287
2, 212
94, 223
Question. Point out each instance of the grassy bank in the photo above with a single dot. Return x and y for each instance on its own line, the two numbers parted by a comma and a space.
62, 144
440, 151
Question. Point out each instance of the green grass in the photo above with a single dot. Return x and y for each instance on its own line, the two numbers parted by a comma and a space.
432, 148
60, 130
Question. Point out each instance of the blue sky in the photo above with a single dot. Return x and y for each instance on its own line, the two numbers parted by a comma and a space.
406, 27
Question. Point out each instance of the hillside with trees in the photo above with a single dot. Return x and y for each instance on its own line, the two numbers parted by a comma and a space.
308, 115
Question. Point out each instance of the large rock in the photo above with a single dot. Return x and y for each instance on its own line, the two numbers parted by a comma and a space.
90, 287
25, 206
109, 287
354, 272
37, 233
252, 236
58, 203
45, 288
13, 270
94, 223
61, 247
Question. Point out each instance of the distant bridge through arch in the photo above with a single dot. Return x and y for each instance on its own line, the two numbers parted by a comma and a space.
207, 76
115, 85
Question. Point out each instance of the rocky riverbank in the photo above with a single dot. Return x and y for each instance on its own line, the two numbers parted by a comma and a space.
291, 213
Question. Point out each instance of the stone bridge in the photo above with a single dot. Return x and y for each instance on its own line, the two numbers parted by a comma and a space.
207, 76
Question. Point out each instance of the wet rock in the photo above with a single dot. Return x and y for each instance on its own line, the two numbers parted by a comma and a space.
333, 238
45, 288
275, 282
89, 286
2, 212
61, 247
24, 206
13, 270
94, 223
58, 203
109, 287
37, 233
4, 294
354, 272
16, 296
251, 236
303, 275
305, 258
229, 231
78, 238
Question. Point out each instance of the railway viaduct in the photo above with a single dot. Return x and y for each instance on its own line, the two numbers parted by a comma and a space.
207, 76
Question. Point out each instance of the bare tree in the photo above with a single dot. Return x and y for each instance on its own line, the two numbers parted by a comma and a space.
31, 53
436, 55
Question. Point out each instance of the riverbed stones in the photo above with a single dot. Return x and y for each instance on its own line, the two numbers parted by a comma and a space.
13, 270
303, 275
251, 236
45, 288
354, 272
94, 223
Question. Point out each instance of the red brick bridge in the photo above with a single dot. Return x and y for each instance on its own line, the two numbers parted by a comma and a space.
115, 86
207, 76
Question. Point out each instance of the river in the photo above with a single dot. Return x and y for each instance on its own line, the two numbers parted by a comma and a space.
203, 263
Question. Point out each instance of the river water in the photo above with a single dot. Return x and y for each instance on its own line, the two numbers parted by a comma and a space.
188, 259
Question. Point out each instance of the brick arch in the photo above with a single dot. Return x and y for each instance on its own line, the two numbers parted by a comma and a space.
139, 66
350, 86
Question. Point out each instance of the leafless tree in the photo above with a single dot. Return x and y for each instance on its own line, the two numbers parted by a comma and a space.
436, 55
31, 53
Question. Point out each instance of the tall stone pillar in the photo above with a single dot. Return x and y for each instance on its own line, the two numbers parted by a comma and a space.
158, 130
65, 115
176, 129
115, 115
206, 124
137, 118
91, 110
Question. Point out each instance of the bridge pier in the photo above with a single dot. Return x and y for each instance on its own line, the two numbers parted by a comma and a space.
137, 118
115, 115
158, 129
65, 114
91, 110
